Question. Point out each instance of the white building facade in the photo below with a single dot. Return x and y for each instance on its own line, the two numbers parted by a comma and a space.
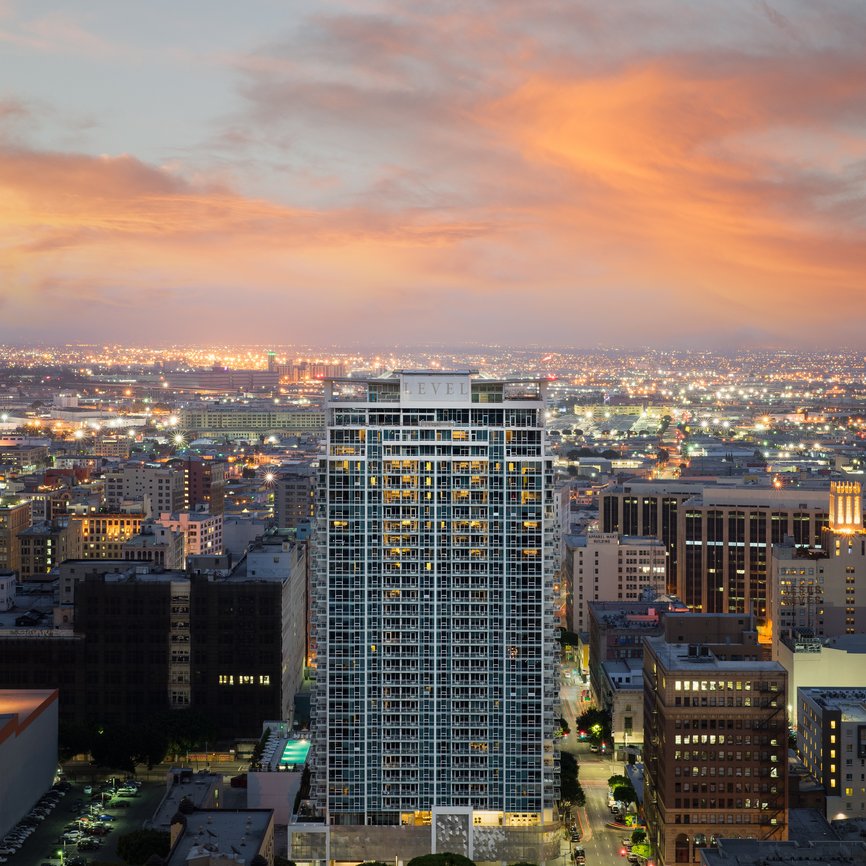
607, 566
433, 609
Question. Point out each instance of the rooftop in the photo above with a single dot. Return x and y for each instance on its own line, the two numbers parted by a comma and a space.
198, 788
850, 702
19, 707
691, 657
750, 852
234, 835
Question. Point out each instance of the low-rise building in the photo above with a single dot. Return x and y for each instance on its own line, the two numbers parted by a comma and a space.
156, 544
607, 566
753, 852
202, 530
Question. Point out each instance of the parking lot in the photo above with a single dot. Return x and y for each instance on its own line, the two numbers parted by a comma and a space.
46, 847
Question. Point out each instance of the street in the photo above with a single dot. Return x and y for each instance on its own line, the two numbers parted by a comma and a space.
601, 843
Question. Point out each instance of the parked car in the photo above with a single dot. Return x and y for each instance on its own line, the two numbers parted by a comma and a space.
88, 790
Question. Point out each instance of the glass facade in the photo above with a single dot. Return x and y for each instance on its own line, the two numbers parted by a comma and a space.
433, 603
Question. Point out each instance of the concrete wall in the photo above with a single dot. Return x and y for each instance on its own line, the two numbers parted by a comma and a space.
275, 791
829, 668
28, 759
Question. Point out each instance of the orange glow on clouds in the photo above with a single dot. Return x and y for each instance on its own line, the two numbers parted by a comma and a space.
397, 174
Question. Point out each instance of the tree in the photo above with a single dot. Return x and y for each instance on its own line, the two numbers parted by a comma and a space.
441, 860
138, 846
642, 850
596, 723
74, 739
625, 794
570, 787
617, 780
638, 837
111, 749
663, 455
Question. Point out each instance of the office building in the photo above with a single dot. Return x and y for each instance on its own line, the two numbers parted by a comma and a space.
28, 750
161, 486
821, 592
156, 544
715, 736
718, 535
204, 481
617, 631
146, 641
294, 495
101, 535
245, 422
648, 509
15, 517
832, 662
437, 682
831, 741
42, 546
607, 566
726, 538
202, 530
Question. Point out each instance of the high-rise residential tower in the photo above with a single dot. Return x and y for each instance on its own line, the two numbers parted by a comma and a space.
437, 683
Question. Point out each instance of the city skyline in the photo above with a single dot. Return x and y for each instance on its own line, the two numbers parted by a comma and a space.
560, 175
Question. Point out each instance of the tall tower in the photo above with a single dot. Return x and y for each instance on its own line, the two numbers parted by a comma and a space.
846, 506
433, 606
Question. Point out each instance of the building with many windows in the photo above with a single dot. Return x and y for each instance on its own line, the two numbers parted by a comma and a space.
15, 517
162, 486
814, 590
831, 740
294, 495
715, 736
437, 684
607, 566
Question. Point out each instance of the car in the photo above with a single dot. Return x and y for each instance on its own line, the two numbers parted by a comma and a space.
575, 836
627, 843
88, 790
6, 851
105, 818
632, 858
593, 747
579, 855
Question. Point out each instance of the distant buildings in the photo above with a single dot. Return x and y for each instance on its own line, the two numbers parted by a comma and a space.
202, 530
15, 517
249, 422
160, 486
294, 495
715, 736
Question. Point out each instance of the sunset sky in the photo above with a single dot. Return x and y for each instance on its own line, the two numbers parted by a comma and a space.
684, 173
